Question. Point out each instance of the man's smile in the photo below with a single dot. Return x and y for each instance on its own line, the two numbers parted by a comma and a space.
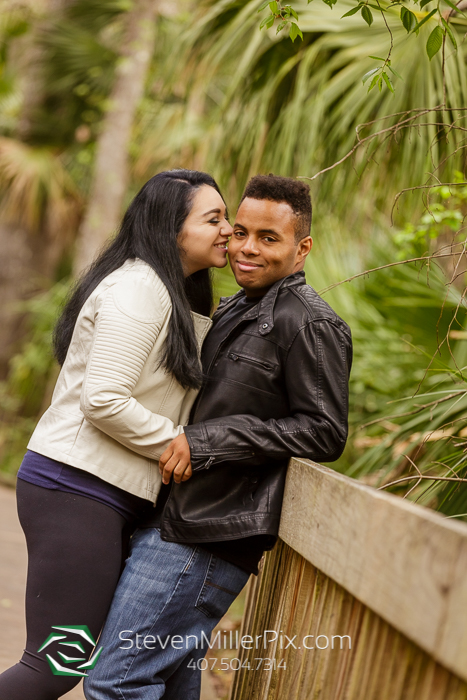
247, 265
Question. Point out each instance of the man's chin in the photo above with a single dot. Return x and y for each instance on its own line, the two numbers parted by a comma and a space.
243, 281
251, 289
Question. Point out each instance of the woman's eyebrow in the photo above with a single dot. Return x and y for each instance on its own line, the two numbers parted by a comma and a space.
212, 211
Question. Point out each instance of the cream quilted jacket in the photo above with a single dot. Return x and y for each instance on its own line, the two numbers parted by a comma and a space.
113, 412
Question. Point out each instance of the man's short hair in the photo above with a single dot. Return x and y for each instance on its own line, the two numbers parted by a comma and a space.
295, 193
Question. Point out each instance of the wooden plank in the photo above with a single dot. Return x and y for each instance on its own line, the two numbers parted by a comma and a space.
406, 563
382, 663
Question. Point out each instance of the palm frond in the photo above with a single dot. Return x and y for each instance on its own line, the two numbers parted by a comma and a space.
265, 104
37, 190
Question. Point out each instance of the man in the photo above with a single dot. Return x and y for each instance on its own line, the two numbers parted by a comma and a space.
276, 365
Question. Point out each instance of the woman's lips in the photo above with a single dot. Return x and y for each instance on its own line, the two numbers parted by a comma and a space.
247, 266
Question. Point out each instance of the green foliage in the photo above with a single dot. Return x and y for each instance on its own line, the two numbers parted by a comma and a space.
394, 315
36, 189
412, 20
224, 283
33, 371
367, 15
15, 23
272, 108
414, 239
75, 51
413, 420
236, 101
408, 19
80, 52
425, 433
444, 217
31, 366
379, 75
434, 42
284, 14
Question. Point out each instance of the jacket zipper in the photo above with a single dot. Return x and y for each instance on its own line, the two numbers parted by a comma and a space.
245, 454
235, 357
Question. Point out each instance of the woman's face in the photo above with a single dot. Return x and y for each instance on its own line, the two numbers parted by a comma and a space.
203, 238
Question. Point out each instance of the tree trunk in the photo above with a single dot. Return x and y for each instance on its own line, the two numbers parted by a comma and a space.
111, 173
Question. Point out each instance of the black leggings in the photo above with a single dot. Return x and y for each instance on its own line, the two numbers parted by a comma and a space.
76, 549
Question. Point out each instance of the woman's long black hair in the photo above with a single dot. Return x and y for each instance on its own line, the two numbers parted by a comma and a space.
149, 231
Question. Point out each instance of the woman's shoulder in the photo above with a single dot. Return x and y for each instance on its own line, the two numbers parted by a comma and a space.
136, 290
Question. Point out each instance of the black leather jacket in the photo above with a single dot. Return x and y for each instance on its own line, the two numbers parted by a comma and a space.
277, 387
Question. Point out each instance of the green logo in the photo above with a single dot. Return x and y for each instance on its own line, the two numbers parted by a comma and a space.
71, 647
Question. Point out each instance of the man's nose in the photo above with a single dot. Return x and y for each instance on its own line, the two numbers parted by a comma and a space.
249, 246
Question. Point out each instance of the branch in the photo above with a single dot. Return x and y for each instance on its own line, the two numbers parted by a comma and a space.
382, 267
423, 187
394, 128
419, 474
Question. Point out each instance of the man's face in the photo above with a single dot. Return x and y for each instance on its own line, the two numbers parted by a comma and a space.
262, 249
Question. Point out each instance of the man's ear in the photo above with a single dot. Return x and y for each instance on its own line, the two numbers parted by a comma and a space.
303, 250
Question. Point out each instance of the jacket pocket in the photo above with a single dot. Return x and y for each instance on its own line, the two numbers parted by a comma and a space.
222, 584
250, 360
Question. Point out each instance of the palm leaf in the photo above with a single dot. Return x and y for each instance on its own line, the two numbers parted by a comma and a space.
36, 189
293, 108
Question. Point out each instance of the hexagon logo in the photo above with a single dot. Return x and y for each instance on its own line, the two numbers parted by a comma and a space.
75, 665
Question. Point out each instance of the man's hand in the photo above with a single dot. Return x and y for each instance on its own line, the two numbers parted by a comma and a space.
176, 460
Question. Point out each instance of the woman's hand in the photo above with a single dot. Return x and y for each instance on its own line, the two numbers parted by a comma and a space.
176, 460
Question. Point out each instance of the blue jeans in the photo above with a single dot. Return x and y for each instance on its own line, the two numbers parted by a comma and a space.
166, 589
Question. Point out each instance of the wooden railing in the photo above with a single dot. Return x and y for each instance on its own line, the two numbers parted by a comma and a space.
364, 598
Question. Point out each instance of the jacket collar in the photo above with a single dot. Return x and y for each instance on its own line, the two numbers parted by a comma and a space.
264, 310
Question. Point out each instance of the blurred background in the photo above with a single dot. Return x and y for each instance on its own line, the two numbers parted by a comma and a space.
96, 96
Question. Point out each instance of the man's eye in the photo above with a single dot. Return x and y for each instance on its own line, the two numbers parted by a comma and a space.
269, 239
239, 233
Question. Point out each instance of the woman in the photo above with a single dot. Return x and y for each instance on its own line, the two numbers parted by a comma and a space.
128, 341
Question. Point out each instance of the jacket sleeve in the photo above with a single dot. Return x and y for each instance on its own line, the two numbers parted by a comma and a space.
127, 322
316, 375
